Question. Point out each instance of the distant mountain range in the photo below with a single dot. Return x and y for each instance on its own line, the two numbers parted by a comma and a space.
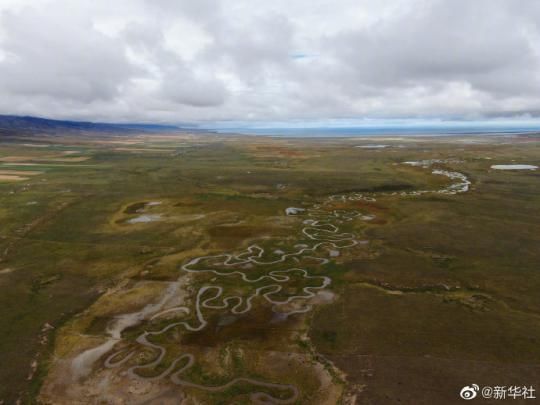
21, 125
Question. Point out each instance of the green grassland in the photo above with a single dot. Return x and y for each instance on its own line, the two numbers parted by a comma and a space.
444, 295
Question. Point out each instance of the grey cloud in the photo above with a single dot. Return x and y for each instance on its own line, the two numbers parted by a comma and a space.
146, 59
181, 87
458, 40
179, 83
60, 56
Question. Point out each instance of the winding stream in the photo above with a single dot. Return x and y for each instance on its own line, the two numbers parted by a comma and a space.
321, 228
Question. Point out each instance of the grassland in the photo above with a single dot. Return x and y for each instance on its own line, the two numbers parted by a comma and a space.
443, 293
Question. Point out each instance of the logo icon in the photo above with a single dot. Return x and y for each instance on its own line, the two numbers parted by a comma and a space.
469, 392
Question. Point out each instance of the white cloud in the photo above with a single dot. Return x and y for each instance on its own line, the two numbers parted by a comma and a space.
206, 60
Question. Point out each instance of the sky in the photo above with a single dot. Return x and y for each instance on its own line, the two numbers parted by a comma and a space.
254, 62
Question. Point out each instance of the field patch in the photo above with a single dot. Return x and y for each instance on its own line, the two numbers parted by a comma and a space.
17, 175
20, 172
8, 177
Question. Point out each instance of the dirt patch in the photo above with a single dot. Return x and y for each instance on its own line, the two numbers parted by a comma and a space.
6, 177
119, 142
55, 158
20, 172
6, 270
16, 158
75, 159
142, 150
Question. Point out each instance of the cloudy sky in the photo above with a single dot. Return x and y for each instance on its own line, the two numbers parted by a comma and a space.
287, 61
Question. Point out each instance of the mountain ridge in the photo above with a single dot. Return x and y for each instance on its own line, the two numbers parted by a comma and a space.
19, 124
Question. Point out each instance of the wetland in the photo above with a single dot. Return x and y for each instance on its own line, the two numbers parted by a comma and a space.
219, 269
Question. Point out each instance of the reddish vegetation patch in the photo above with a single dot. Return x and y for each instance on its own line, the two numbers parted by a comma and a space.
370, 206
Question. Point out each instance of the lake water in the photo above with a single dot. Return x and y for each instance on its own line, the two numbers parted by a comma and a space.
514, 167
349, 132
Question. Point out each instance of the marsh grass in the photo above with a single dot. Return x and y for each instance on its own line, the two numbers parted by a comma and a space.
67, 250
